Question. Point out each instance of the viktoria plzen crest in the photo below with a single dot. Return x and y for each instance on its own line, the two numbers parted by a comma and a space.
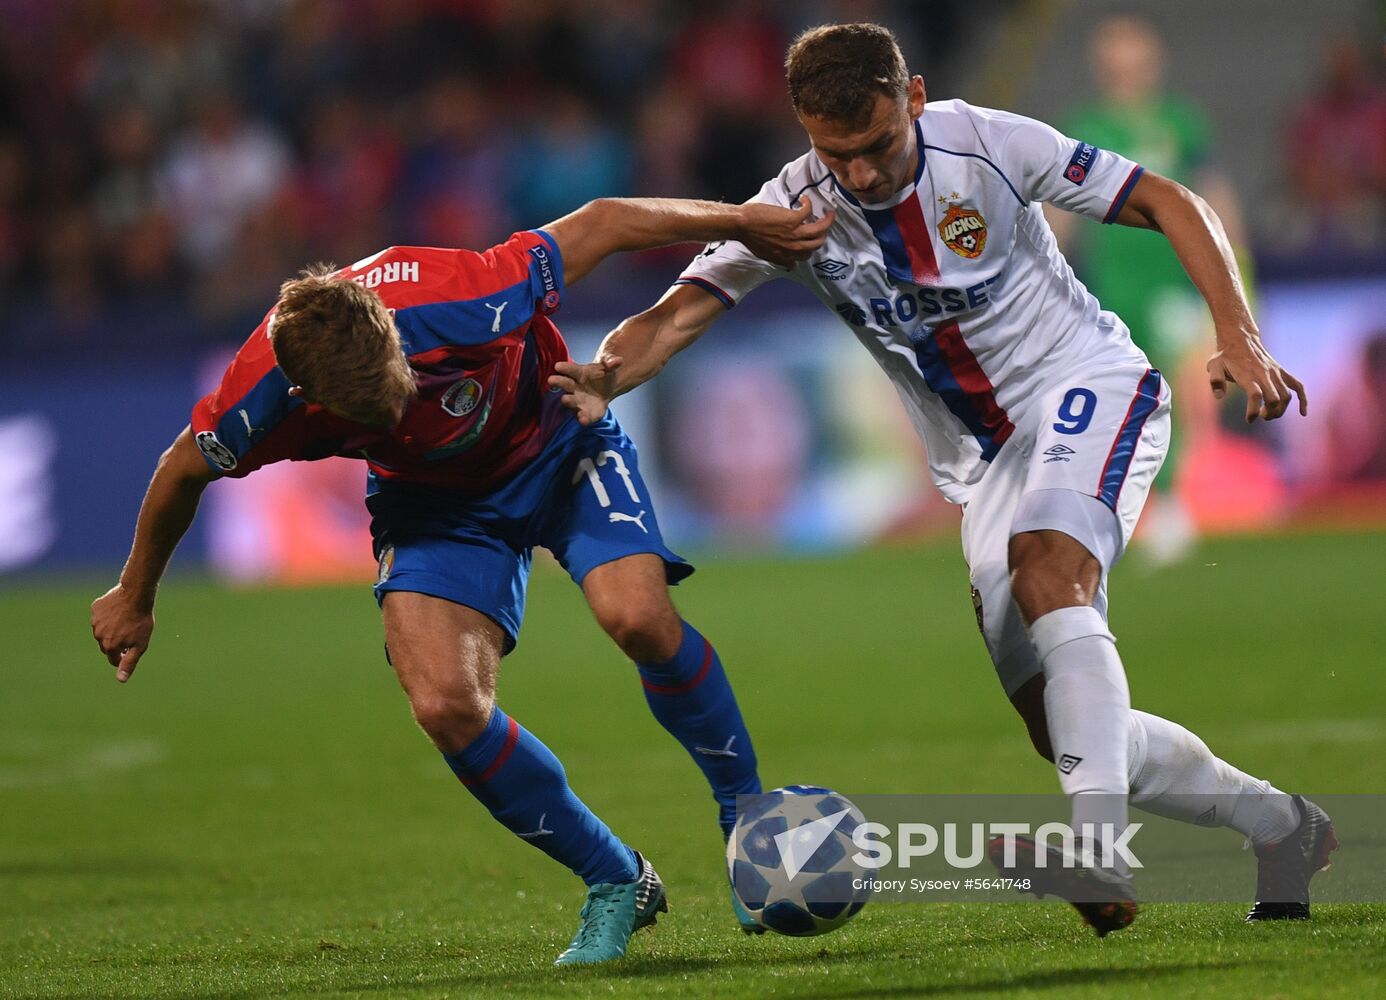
964, 230
462, 396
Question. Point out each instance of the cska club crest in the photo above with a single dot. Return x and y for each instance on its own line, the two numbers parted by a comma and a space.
964, 230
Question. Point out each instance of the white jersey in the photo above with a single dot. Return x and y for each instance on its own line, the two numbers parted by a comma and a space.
956, 285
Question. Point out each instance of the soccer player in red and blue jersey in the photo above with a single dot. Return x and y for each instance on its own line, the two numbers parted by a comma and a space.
432, 365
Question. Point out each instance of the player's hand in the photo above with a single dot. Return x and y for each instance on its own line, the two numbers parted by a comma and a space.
783, 235
122, 627
1269, 388
587, 389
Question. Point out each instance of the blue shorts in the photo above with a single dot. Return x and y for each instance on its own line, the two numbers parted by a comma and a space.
582, 498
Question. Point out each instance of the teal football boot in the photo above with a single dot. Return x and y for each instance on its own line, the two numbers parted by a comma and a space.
749, 924
612, 913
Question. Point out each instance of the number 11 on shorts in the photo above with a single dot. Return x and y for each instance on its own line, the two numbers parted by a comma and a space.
587, 467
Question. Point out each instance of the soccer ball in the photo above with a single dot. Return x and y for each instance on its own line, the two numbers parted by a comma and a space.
790, 860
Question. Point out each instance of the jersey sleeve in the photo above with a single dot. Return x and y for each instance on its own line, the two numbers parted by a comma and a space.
525, 272
249, 420
531, 256
1043, 164
729, 270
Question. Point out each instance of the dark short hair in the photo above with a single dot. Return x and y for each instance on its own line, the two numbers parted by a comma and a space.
837, 71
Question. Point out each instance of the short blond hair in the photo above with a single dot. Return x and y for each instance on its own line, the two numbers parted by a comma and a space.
336, 339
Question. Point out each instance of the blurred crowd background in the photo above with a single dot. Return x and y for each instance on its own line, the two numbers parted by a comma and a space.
168, 162
165, 164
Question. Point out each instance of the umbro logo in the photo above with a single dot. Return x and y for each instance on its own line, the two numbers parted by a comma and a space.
1058, 453
852, 313
833, 270
1068, 762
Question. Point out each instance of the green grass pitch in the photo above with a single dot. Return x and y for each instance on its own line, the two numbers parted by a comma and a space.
255, 815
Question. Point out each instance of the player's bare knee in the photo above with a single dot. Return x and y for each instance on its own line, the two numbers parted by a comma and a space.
647, 631
1051, 570
451, 721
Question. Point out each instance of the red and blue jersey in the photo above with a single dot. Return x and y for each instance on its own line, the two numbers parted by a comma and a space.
476, 330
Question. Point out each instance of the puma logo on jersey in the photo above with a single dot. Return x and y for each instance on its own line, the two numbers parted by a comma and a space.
539, 832
495, 326
726, 751
249, 428
616, 516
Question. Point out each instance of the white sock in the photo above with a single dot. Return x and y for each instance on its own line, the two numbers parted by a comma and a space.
1088, 706
1174, 774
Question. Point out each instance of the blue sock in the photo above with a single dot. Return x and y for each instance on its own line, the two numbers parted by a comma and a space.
692, 698
524, 786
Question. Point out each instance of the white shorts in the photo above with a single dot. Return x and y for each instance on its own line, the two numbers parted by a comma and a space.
1083, 466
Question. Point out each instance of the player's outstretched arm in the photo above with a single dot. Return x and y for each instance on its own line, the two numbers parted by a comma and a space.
122, 619
1198, 237
611, 225
636, 351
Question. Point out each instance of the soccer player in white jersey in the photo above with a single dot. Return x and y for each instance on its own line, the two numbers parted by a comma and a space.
1040, 416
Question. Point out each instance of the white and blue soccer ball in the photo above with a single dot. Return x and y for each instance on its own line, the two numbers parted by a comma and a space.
790, 860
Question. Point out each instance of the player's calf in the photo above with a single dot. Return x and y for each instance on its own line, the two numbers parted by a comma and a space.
691, 697
1028, 701
685, 685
